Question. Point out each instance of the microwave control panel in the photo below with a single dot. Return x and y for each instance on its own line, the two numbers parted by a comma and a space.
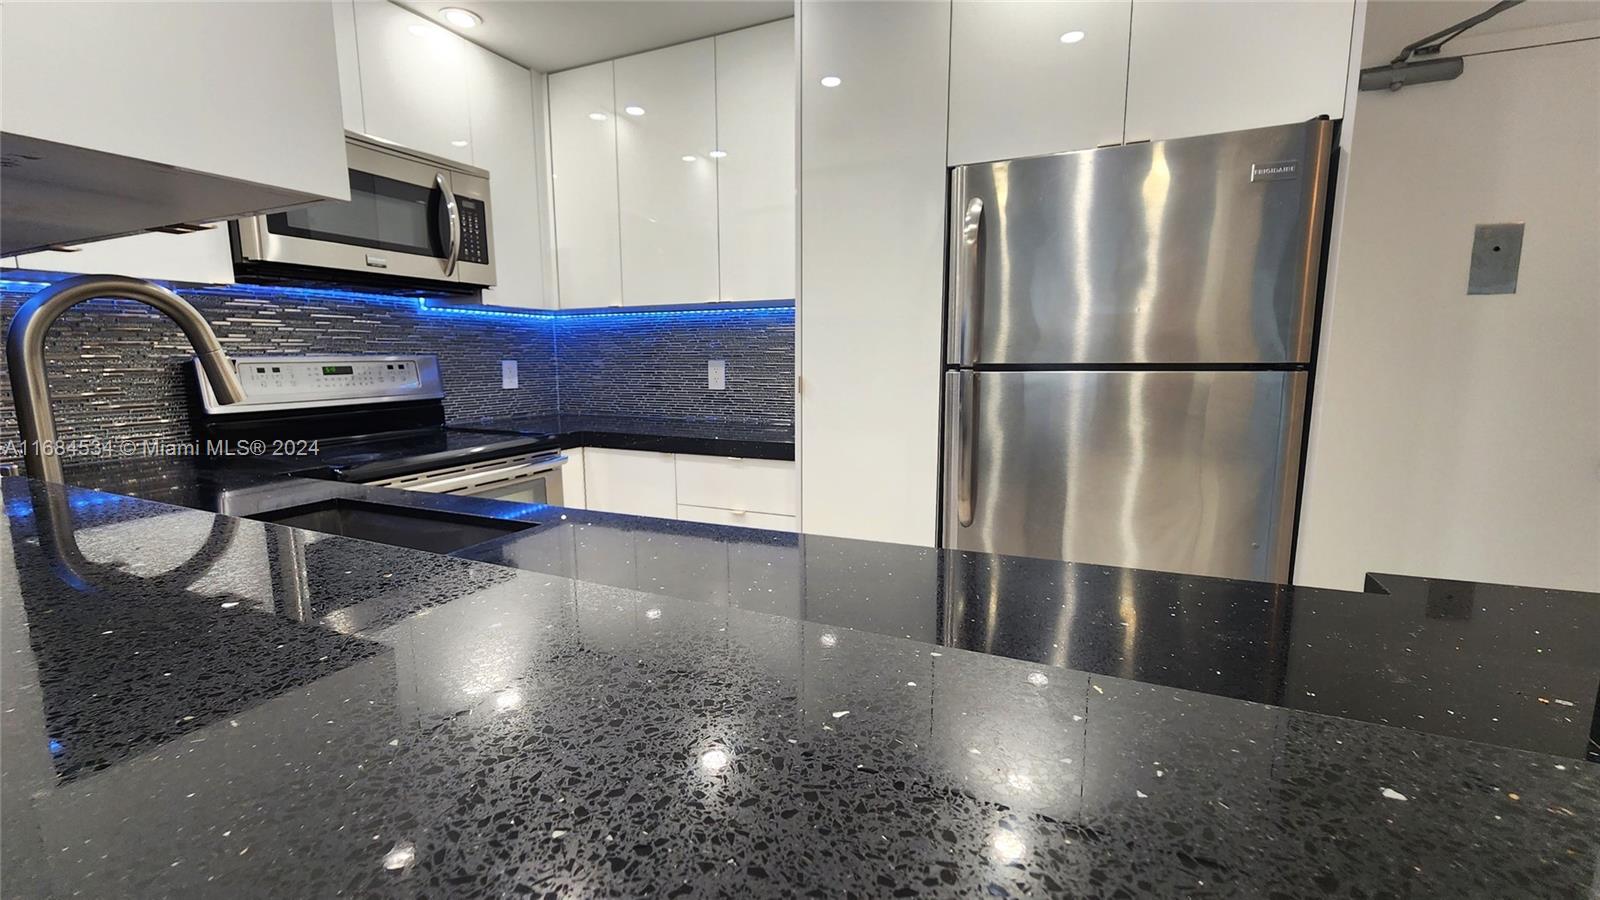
474, 230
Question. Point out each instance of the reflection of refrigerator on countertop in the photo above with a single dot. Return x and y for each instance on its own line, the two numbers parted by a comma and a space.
1130, 334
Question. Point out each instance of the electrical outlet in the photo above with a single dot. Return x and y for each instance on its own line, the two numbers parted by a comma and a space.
717, 374
508, 373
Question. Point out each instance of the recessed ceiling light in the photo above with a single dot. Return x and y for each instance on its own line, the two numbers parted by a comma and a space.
598, 117
458, 143
717, 154
690, 158
633, 110
831, 81
461, 18
1071, 37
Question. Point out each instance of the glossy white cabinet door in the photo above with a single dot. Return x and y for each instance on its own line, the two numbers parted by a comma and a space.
872, 172
636, 482
743, 518
756, 179
502, 105
583, 164
667, 180
724, 482
1204, 67
247, 92
1017, 89
413, 81
203, 257
344, 37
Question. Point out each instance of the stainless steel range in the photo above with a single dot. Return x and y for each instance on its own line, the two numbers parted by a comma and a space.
376, 420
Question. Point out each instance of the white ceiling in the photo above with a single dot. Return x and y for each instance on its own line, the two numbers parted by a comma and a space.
1392, 24
551, 35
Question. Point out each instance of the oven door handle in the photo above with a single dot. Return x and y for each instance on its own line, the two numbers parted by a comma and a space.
522, 470
453, 210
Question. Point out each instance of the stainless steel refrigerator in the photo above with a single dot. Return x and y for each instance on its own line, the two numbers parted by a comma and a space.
1129, 342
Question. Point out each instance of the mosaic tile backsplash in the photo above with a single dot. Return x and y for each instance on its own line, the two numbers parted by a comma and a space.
116, 367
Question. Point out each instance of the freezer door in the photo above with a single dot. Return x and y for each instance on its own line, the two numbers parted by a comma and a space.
1192, 472
1195, 251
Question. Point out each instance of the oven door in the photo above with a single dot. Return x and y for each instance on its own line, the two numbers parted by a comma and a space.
521, 479
401, 219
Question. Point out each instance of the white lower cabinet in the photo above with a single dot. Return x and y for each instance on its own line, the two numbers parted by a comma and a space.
746, 485
636, 482
738, 517
573, 494
722, 490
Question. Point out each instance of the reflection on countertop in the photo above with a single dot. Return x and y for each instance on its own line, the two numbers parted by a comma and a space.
195, 704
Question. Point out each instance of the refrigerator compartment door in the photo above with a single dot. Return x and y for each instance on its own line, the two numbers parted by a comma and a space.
1191, 252
1193, 472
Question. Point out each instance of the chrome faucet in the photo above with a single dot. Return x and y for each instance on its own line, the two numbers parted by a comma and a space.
25, 355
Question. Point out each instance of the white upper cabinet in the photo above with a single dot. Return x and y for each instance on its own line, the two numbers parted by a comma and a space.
502, 106
1202, 68
162, 92
413, 81
202, 257
344, 37
666, 122
1038, 77
755, 177
583, 162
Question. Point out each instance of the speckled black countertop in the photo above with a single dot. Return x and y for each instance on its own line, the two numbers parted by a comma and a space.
707, 437
201, 705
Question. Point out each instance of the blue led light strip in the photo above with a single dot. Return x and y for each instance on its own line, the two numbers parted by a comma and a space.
437, 306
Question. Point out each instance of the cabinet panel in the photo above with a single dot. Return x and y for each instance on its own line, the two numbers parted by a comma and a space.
872, 158
583, 161
502, 106
202, 257
151, 85
630, 481
715, 516
666, 177
756, 179
756, 485
344, 39
413, 81
573, 493
1017, 88
1203, 68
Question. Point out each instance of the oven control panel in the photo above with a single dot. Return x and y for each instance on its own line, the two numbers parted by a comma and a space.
307, 382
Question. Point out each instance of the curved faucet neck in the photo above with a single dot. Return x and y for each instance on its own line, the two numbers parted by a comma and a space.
25, 338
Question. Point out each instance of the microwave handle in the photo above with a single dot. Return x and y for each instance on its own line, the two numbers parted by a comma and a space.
454, 212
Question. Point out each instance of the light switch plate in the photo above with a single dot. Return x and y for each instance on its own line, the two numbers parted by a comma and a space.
508, 373
1496, 258
717, 374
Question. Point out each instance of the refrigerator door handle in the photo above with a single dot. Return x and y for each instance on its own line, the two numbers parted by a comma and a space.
966, 282
966, 447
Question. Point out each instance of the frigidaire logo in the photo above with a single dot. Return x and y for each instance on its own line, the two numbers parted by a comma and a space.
1275, 171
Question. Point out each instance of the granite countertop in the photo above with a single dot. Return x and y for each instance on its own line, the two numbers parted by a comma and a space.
711, 437
199, 704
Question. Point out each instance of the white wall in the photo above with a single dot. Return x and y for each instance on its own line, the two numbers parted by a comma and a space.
1459, 436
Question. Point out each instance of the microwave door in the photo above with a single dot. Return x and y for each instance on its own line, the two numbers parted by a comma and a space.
396, 222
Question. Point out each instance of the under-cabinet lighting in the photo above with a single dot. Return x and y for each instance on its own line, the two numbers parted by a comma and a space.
633, 110
831, 81
1071, 37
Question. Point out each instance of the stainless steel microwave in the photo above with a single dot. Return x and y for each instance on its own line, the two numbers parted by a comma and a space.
411, 218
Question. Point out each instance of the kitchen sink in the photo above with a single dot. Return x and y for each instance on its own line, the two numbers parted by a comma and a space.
399, 526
